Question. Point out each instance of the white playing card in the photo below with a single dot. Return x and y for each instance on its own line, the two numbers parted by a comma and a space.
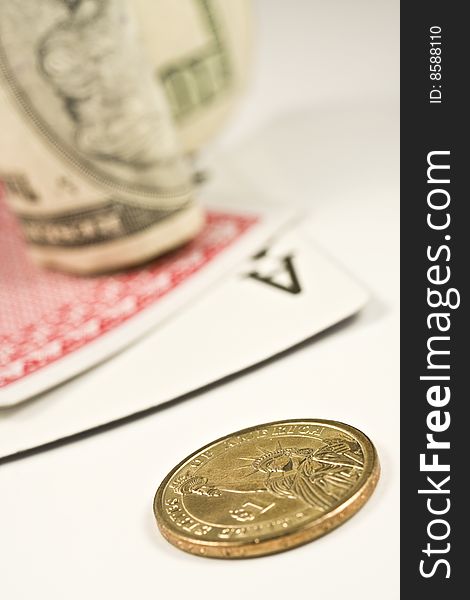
54, 326
284, 295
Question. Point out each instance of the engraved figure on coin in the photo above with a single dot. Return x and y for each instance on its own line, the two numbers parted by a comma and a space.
192, 484
319, 477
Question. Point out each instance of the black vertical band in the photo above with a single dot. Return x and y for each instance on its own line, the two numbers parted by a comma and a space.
434, 274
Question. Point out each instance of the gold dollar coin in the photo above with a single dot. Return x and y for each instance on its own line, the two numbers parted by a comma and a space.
267, 488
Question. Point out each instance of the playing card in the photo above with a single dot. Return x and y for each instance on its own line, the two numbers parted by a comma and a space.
286, 293
54, 326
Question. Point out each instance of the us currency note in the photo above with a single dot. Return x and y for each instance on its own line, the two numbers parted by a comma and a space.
88, 151
200, 50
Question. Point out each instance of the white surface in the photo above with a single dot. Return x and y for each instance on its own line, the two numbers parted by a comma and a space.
77, 522
168, 362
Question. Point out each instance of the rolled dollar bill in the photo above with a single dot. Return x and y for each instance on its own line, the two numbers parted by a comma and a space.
200, 51
89, 155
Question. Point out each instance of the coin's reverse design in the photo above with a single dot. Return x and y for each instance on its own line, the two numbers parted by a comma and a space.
266, 489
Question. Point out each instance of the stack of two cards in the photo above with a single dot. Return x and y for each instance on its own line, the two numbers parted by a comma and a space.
251, 286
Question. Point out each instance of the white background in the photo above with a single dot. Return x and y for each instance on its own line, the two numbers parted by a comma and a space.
318, 128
